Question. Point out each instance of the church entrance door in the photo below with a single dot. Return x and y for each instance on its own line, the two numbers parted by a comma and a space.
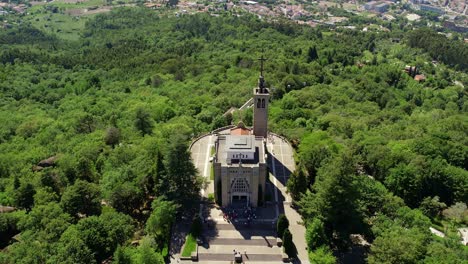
240, 200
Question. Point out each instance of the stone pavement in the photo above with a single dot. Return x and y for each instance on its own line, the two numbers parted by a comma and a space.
256, 241
201, 154
281, 162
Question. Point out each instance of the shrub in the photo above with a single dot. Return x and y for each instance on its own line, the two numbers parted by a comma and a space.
196, 227
283, 224
288, 244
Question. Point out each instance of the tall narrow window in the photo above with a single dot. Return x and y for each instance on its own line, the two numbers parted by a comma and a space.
263, 103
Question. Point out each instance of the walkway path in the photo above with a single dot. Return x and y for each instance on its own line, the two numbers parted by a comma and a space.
282, 165
201, 154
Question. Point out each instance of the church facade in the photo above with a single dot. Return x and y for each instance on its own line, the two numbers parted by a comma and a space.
240, 169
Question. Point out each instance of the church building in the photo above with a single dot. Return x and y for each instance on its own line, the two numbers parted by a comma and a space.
240, 168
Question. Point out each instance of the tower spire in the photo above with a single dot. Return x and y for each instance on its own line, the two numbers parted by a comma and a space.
261, 94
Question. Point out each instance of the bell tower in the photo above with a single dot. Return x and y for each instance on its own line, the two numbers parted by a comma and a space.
261, 95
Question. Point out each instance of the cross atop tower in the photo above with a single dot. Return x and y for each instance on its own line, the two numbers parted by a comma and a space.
261, 59
261, 80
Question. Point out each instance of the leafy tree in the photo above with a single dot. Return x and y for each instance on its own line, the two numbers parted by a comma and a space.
322, 255
143, 122
85, 169
281, 225
143, 254
44, 196
25, 196
46, 222
119, 226
315, 235
112, 136
103, 234
335, 200
314, 149
28, 251
161, 219
406, 182
126, 198
431, 207
219, 121
72, 249
121, 256
297, 184
147, 255
86, 124
457, 213
446, 250
399, 245
82, 198
9, 226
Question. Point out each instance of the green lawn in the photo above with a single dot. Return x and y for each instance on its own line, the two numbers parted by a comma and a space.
212, 151
212, 172
190, 246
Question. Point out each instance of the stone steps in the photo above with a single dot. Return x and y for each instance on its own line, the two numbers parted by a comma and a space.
241, 226
237, 234
267, 258
228, 249
266, 241
258, 239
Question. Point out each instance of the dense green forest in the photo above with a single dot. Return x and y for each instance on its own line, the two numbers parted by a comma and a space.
379, 153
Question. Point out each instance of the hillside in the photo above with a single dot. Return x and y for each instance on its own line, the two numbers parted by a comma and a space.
114, 107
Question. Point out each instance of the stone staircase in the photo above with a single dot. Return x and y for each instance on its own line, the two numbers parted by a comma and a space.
257, 244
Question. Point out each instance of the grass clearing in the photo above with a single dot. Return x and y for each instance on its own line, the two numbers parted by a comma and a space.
189, 246
62, 25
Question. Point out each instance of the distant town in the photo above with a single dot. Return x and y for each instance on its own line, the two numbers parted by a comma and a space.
448, 14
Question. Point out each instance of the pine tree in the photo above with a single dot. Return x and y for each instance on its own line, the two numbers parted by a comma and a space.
312, 54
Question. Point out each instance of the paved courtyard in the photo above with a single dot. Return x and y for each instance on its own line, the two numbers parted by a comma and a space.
201, 154
255, 239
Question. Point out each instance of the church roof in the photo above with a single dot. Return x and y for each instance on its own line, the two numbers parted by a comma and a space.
240, 130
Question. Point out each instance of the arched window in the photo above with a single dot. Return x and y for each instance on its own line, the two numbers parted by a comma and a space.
263, 103
240, 185
259, 102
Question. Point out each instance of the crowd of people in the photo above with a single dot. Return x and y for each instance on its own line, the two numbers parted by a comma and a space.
247, 213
